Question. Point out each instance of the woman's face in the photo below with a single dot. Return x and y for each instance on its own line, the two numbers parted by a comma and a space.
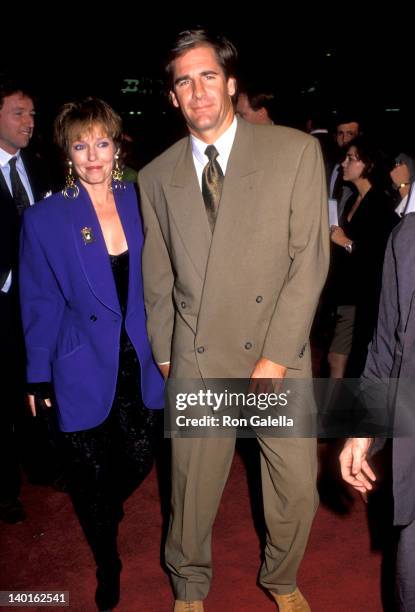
92, 155
352, 165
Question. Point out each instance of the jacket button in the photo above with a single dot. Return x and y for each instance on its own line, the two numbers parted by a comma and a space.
93, 318
200, 349
248, 345
259, 299
183, 304
301, 355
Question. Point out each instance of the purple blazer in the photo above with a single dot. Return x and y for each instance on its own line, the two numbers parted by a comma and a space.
70, 309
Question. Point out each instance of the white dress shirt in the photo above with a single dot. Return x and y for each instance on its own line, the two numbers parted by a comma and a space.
223, 146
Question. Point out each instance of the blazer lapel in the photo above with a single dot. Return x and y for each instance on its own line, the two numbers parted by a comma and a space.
188, 210
92, 251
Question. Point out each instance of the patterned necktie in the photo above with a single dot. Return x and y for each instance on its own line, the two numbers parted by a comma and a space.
20, 197
212, 181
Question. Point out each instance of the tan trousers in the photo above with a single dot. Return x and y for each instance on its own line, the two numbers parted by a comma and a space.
200, 468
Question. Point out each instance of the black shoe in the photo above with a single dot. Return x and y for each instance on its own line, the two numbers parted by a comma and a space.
12, 511
108, 585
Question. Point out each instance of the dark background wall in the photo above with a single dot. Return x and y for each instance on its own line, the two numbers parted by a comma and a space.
330, 57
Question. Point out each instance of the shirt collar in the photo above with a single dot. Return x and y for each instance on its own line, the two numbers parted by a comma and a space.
223, 145
5, 157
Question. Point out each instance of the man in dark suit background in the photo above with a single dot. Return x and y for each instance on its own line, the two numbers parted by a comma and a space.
387, 383
22, 183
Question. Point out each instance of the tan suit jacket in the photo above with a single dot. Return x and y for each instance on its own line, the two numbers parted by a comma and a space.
215, 304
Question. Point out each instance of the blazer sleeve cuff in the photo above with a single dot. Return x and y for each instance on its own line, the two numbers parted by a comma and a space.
39, 366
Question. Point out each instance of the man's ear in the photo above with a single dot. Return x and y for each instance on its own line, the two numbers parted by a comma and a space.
173, 99
231, 86
263, 113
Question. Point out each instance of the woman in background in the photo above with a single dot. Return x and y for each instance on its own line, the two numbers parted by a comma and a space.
360, 242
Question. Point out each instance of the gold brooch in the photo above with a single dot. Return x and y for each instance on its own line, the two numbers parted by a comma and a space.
87, 235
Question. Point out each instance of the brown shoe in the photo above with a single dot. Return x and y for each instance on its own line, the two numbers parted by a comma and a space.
188, 606
293, 602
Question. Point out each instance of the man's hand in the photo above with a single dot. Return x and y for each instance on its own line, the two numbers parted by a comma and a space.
265, 369
32, 403
354, 466
164, 369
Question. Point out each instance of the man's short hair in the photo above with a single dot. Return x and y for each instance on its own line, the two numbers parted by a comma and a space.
259, 98
9, 87
347, 116
225, 51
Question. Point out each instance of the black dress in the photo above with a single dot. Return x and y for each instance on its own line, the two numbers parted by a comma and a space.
356, 278
106, 463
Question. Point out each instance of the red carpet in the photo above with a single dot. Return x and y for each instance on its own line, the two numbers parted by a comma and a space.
47, 551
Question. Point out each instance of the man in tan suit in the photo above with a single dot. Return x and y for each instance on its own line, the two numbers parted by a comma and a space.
230, 290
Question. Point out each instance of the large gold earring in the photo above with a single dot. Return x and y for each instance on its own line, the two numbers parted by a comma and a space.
71, 189
117, 173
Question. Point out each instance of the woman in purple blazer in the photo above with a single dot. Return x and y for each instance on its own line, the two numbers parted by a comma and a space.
85, 329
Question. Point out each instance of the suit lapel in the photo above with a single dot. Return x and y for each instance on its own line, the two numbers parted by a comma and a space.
239, 187
188, 209
93, 253
237, 205
35, 174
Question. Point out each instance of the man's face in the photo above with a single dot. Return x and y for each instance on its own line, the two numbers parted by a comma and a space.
203, 93
16, 122
346, 132
244, 109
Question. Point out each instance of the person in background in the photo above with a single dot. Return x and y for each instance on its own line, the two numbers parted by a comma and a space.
359, 246
85, 329
390, 364
256, 105
403, 175
23, 180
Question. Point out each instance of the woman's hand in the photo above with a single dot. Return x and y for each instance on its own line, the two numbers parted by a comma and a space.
338, 236
32, 403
